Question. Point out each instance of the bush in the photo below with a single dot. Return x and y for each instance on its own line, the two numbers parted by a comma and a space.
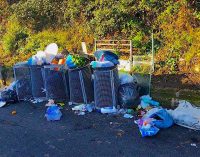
15, 37
40, 14
69, 39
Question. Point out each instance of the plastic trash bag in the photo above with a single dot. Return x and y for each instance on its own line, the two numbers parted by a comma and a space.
186, 115
53, 113
129, 95
126, 78
38, 59
105, 55
9, 94
51, 51
97, 64
146, 127
69, 62
146, 101
161, 116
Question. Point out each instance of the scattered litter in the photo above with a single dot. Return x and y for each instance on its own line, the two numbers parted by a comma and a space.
50, 103
146, 101
38, 100
186, 115
122, 111
128, 115
147, 127
120, 133
2, 103
130, 111
109, 110
53, 113
83, 108
14, 112
80, 113
61, 104
193, 145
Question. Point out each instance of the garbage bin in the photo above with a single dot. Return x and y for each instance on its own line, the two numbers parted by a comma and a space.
80, 85
55, 82
37, 81
23, 78
106, 83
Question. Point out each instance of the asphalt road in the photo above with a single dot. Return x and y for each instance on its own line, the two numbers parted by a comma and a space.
29, 134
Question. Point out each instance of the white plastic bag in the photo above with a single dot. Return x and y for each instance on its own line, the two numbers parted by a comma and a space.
186, 115
126, 78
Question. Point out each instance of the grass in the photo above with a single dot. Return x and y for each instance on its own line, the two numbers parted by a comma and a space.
165, 95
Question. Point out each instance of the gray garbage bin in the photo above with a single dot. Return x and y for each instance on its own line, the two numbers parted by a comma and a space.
23, 77
106, 83
37, 81
55, 82
80, 85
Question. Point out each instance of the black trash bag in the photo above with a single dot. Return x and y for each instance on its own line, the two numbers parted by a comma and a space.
129, 95
9, 96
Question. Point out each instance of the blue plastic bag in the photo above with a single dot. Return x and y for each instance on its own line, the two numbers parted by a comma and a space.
53, 113
70, 62
161, 116
146, 101
146, 127
149, 132
107, 56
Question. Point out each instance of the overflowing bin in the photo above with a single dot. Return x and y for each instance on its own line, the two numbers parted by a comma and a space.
37, 81
106, 83
55, 83
80, 85
23, 78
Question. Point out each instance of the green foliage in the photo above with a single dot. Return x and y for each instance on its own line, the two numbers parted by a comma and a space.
80, 61
180, 36
40, 14
176, 27
40, 40
143, 69
15, 37
172, 64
